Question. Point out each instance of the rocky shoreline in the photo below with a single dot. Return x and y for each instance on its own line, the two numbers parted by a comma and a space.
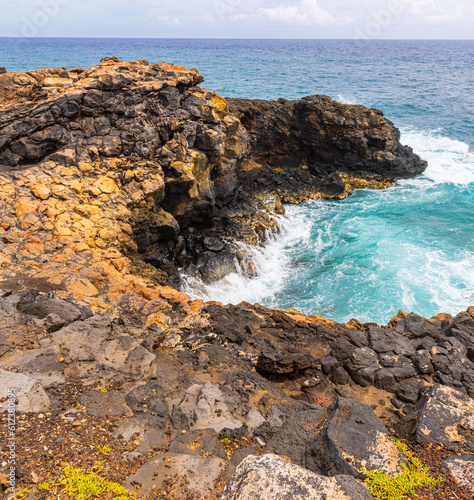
113, 179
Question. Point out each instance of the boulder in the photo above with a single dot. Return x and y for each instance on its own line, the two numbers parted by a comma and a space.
269, 476
214, 266
353, 437
29, 395
417, 326
443, 416
408, 391
167, 228
389, 341
213, 244
284, 361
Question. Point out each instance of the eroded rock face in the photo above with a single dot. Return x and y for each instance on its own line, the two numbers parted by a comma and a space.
270, 476
394, 358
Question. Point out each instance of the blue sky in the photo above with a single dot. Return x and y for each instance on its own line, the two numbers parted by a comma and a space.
239, 18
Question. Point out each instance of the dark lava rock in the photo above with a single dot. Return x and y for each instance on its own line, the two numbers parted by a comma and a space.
384, 379
287, 132
213, 266
296, 433
361, 358
389, 341
353, 437
40, 306
408, 391
329, 364
284, 362
422, 361
340, 376
149, 404
332, 185
418, 326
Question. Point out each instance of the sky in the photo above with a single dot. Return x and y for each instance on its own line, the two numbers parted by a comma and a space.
352, 19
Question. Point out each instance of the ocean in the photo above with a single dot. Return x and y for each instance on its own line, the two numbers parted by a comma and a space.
410, 247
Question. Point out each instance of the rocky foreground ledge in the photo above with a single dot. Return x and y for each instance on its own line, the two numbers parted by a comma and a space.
114, 176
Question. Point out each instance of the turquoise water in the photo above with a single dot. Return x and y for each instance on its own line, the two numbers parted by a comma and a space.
410, 247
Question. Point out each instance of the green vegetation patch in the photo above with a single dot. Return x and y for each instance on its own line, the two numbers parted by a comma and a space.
79, 484
414, 474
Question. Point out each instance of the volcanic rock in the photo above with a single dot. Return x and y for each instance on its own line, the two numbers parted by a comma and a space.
271, 477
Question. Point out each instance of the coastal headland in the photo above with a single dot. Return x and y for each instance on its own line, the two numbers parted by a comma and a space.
115, 180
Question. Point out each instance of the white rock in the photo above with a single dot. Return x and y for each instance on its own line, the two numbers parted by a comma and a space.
254, 418
29, 393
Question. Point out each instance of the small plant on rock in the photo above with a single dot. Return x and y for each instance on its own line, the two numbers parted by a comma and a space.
415, 474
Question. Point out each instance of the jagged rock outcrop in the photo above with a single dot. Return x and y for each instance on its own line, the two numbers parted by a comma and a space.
327, 136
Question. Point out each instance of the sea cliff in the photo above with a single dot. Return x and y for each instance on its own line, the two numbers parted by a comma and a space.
114, 177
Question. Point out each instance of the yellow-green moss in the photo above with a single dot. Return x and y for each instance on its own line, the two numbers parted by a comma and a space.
414, 474
79, 484
22, 494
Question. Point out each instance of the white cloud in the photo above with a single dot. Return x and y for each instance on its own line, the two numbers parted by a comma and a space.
424, 11
245, 18
170, 21
306, 13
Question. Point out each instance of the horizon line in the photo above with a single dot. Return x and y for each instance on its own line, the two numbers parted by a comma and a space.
231, 38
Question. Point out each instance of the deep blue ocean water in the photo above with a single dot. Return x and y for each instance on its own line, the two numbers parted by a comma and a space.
410, 247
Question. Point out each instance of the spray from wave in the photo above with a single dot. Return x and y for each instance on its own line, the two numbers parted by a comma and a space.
272, 262
449, 160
